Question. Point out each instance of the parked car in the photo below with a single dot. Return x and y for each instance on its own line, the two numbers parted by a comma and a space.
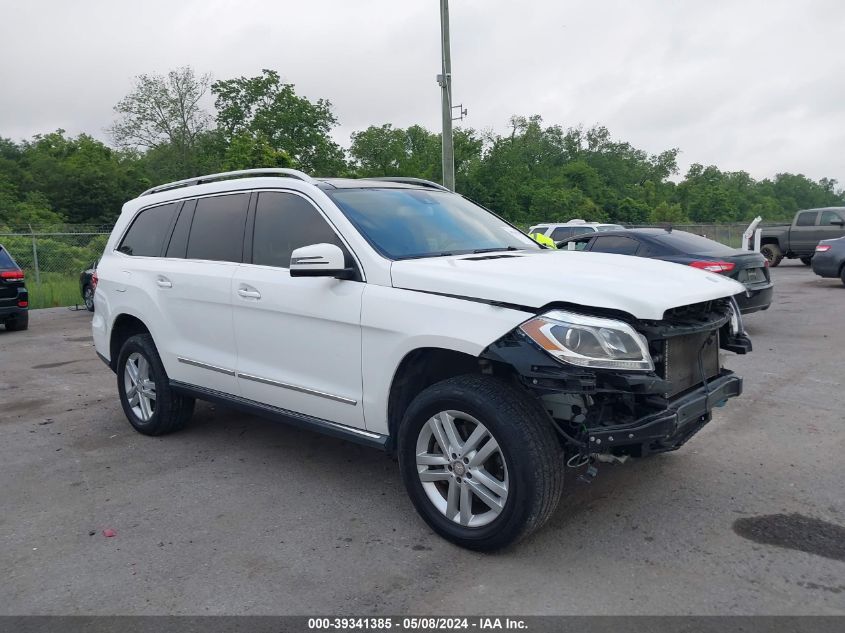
747, 267
88, 284
14, 298
799, 239
829, 260
561, 231
405, 317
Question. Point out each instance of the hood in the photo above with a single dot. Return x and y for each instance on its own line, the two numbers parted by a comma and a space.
644, 288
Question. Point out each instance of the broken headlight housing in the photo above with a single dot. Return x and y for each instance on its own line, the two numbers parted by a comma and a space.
588, 341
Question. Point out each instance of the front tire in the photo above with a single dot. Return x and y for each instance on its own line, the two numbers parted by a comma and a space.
150, 405
480, 461
772, 253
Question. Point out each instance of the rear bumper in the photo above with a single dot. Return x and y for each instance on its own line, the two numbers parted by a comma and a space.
669, 429
11, 311
755, 298
826, 264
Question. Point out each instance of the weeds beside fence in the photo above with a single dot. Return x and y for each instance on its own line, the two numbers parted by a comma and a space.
53, 258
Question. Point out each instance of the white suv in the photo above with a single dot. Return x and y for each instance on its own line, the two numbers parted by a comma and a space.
405, 317
560, 231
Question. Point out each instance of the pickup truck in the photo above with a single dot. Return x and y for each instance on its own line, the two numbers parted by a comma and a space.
799, 239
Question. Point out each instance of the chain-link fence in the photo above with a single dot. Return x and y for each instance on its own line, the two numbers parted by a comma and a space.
53, 258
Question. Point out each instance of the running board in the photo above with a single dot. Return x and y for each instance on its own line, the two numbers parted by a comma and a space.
301, 420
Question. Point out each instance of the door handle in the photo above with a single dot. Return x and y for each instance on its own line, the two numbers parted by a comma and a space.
249, 294
163, 282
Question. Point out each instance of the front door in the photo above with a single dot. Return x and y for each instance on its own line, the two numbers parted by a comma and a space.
298, 338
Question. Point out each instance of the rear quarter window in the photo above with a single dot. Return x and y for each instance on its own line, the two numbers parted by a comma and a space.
145, 238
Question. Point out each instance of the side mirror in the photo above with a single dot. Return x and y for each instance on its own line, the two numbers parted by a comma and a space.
319, 260
838, 222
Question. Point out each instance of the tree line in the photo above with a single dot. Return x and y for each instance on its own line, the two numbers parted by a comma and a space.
533, 172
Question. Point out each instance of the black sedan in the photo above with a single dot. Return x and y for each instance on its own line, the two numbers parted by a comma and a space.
829, 258
14, 298
88, 284
747, 267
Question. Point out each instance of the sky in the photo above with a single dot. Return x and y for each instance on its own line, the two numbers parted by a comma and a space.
743, 84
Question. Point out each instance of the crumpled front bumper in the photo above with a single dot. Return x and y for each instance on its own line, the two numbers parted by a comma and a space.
670, 428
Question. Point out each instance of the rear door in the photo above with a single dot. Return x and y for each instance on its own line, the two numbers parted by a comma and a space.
803, 235
194, 286
298, 338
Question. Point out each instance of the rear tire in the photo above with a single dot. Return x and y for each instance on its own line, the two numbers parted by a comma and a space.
807, 261
479, 497
842, 275
150, 404
18, 323
772, 253
88, 298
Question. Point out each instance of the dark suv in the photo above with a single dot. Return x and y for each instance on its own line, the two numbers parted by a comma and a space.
14, 298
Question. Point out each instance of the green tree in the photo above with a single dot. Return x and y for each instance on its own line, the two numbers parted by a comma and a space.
164, 111
267, 108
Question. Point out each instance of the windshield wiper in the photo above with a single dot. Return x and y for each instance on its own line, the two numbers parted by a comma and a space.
497, 248
424, 256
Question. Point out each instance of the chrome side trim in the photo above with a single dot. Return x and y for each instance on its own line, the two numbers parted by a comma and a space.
196, 363
311, 392
303, 420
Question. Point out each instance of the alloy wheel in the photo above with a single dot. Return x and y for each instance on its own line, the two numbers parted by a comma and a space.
462, 468
139, 386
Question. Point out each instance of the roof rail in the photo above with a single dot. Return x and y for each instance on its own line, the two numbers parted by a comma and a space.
226, 175
412, 181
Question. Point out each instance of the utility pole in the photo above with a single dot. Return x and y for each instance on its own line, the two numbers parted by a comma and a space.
445, 81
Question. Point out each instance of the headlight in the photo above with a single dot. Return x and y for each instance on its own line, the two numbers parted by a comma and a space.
589, 341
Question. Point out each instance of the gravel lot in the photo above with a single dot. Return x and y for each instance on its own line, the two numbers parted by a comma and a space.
238, 515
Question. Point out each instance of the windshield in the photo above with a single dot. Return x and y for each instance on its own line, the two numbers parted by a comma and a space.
412, 223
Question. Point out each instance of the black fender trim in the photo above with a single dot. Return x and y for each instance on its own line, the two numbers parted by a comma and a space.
277, 414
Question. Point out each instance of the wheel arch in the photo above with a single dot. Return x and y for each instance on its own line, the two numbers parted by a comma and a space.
420, 368
125, 325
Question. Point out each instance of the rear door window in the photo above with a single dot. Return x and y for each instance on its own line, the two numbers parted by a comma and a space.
808, 218
217, 230
151, 227
561, 232
285, 222
615, 244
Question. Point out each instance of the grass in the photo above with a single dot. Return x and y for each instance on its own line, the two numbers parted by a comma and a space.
54, 291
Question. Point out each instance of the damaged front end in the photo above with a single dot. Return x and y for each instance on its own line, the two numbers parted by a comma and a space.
653, 389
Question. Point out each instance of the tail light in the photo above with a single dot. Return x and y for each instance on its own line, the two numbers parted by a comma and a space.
94, 280
11, 274
714, 267
23, 304
821, 248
